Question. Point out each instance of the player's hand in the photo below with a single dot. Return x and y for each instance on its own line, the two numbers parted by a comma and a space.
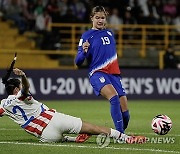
18, 72
85, 46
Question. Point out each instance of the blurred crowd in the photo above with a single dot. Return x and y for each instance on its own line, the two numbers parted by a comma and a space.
35, 15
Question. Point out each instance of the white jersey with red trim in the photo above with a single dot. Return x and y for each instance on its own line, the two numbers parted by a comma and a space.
30, 114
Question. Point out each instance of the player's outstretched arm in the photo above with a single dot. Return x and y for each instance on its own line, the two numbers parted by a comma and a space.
25, 81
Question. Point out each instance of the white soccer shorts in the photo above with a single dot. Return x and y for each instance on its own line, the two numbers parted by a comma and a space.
59, 124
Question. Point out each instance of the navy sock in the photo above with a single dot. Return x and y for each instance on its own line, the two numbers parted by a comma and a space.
126, 118
116, 113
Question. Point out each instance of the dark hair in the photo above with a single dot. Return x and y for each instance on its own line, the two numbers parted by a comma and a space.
98, 9
11, 84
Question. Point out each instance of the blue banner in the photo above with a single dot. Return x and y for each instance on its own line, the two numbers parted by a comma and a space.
74, 84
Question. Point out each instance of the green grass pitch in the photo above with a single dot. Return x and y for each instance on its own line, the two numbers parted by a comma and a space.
14, 140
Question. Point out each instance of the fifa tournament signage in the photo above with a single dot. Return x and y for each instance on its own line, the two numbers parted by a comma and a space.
74, 84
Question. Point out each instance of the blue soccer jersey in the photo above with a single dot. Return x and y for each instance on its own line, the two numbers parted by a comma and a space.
101, 54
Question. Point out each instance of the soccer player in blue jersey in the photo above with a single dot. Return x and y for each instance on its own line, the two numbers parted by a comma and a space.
98, 46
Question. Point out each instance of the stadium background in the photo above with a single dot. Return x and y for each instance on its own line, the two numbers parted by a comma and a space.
45, 34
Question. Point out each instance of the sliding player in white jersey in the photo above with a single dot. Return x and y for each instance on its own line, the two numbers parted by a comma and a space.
47, 124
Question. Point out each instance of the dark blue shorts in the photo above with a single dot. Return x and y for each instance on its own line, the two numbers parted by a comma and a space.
99, 79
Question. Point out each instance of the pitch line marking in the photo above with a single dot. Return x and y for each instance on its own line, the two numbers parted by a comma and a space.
9, 129
91, 147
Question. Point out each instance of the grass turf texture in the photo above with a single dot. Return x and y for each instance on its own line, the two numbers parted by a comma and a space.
14, 140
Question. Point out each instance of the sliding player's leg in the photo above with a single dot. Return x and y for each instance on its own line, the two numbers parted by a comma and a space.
92, 129
89, 129
62, 123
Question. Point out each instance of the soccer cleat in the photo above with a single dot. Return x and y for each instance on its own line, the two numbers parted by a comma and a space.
82, 138
136, 140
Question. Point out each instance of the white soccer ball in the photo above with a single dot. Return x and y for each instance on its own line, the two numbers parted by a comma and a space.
161, 124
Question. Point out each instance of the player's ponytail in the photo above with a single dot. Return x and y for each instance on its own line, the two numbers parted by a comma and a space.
6, 77
10, 84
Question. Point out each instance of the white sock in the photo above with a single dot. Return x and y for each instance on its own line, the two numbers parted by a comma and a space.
118, 135
69, 139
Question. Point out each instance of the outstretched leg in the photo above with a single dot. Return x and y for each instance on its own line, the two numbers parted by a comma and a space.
96, 130
89, 129
92, 129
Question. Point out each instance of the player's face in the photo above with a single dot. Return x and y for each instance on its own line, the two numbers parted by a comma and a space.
17, 89
99, 20
20, 86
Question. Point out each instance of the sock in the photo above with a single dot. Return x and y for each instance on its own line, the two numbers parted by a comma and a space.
69, 139
126, 118
116, 113
117, 135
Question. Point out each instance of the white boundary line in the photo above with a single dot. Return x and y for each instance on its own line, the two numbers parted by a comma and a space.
10, 129
89, 147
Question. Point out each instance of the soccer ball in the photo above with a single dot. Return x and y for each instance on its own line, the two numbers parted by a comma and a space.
161, 124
